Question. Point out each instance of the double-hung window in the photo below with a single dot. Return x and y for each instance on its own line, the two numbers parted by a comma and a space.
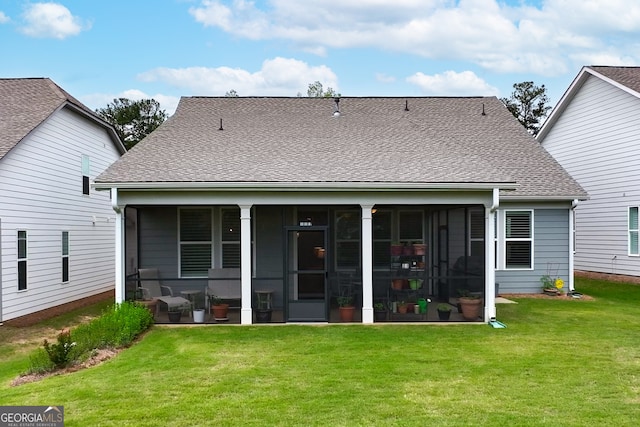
22, 260
518, 239
230, 235
196, 240
65, 256
633, 230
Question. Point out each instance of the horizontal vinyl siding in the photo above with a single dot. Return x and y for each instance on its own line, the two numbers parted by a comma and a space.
158, 239
551, 253
597, 140
41, 192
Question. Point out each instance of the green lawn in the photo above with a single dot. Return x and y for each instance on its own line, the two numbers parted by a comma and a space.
558, 363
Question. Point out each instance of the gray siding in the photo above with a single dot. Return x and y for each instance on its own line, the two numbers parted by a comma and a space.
551, 252
596, 140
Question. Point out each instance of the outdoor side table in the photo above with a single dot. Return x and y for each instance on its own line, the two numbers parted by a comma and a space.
264, 305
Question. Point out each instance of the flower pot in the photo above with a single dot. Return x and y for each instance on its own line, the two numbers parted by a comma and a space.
419, 249
347, 314
399, 284
470, 308
220, 311
263, 315
198, 315
396, 250
444, 314
174, 316
380, 315
402, 309
550, 291
407, 250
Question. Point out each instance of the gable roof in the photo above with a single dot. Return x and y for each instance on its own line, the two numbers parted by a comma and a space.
27, 102
624, 78
383, 142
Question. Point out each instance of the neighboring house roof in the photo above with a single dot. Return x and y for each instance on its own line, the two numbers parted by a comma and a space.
426, 142
27, 102
624, 78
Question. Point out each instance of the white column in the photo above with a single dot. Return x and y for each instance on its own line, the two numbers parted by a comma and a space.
572, 240
246, 316
489, 266
367, 264
119, 247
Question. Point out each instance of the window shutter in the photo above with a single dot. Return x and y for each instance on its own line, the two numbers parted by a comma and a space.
633, 231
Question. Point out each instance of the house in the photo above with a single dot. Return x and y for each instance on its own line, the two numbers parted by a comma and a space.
594, 132
308, 197
56, 233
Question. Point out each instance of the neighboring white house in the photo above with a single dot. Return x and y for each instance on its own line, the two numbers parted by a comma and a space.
56, 232
594, 132
302, 194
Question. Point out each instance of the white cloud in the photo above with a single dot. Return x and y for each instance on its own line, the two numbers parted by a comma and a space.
3, 18
277, 77
541, 37
451, 83
51, 20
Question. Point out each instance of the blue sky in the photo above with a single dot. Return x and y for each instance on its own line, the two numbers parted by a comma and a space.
164, 49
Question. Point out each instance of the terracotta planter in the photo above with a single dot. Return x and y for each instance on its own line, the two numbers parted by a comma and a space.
399, 284
347, 314
396, 250
402, 309
220, 311
407, 250
470, 308
419, 249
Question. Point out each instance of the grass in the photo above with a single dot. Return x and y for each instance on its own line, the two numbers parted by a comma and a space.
558, 363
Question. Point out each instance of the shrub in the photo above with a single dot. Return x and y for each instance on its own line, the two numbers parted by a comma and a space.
60, 353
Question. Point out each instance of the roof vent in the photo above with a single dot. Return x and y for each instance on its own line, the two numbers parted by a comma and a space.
483, 113
220, 128
336, 112
406, 105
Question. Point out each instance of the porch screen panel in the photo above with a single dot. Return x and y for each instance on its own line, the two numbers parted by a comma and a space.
231, 238
381, 239
347, 239
633, 231
195, 242
410, 227
518, 239
476, 233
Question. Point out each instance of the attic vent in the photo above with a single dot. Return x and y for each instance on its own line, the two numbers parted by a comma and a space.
336, 112
483, 113
220, 128
406, 105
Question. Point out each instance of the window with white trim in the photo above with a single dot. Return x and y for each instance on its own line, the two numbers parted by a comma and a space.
22, 260
476, 232
196, 238
86, 169
230, 235
633, 230
65, 256
518, 239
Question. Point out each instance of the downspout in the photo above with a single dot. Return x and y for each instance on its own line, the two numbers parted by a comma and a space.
119, 248
572, 248
490, 276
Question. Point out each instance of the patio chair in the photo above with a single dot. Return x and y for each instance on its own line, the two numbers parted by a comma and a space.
152, 288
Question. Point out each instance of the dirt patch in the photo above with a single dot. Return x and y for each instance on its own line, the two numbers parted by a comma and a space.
98, 357
550, 297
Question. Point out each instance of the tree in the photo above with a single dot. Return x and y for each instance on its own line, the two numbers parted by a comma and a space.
528, 104
133, 120
231, 94
315, 90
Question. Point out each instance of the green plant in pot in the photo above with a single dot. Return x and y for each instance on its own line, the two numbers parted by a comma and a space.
347, 310
174, 314
444, 311
379, 312
402, 307
219, 308
470, 304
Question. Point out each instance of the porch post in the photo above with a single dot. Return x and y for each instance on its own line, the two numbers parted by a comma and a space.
119, 247
489, 259
367, 264
246, 317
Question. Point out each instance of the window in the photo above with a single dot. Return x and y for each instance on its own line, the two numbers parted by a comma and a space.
633, 231
476, 233
22, 260
85, 174
65, 256
195, 242
410, 227
518, 239
230, 238
381, 238
347, 239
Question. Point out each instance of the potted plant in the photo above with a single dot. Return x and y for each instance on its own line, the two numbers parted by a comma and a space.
175, 314
444, 311
379, 312
219, 308
470, 305
396, 249
551, 286
347, 310
402, 307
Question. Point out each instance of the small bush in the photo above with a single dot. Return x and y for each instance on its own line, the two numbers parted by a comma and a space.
39, 362
60, 353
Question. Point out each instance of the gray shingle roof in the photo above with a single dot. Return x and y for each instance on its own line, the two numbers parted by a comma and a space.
276, 140
627, 76
25, 103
